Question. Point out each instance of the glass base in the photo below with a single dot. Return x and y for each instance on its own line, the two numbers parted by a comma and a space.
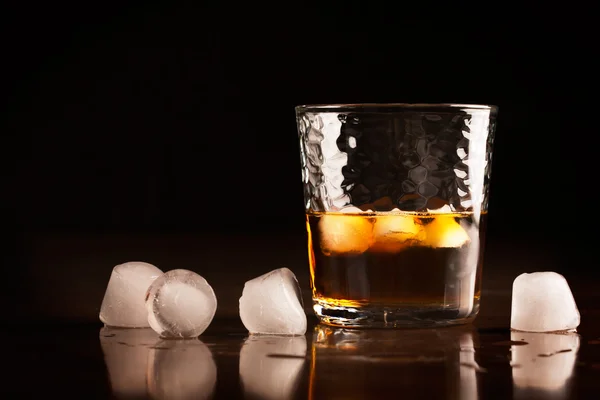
405, 316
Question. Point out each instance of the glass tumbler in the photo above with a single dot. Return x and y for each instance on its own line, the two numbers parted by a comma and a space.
396, 199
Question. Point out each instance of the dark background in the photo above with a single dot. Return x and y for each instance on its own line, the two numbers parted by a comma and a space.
167, 133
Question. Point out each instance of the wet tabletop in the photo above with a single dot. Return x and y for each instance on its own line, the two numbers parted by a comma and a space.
469, 362
68, 353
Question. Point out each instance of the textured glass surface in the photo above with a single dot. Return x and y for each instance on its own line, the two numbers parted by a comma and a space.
406, 157
396, 199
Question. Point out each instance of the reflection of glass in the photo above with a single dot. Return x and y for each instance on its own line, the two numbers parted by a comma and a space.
126, 357
542, 367
270, 366
181, 369
467, 371
396, 200
141, 365
353, 364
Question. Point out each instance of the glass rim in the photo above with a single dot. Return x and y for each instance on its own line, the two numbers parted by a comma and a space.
391, 107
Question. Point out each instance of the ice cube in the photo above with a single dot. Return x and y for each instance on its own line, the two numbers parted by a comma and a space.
345, 234
272, 304
445, 232
546, 362
351, 210
181, 369
543, 302
270, 366
126, 357
443, 209
180, 304
123, 303
395, 232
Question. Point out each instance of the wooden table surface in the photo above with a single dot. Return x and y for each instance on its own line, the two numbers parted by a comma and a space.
53, 343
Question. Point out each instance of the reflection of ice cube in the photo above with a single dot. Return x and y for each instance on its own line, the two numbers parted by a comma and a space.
180, 304
545, 363
393, 233
445, 232
123, 303
272, 304
345, 234
270, 366
126, 357
181, 369
543, 302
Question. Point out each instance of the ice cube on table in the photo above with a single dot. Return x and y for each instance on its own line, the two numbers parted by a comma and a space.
123, 303
345, 234
180, 304
445, 232
272, 304
394, 232
543, 302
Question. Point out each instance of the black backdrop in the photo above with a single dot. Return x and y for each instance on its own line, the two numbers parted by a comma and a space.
161, 118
